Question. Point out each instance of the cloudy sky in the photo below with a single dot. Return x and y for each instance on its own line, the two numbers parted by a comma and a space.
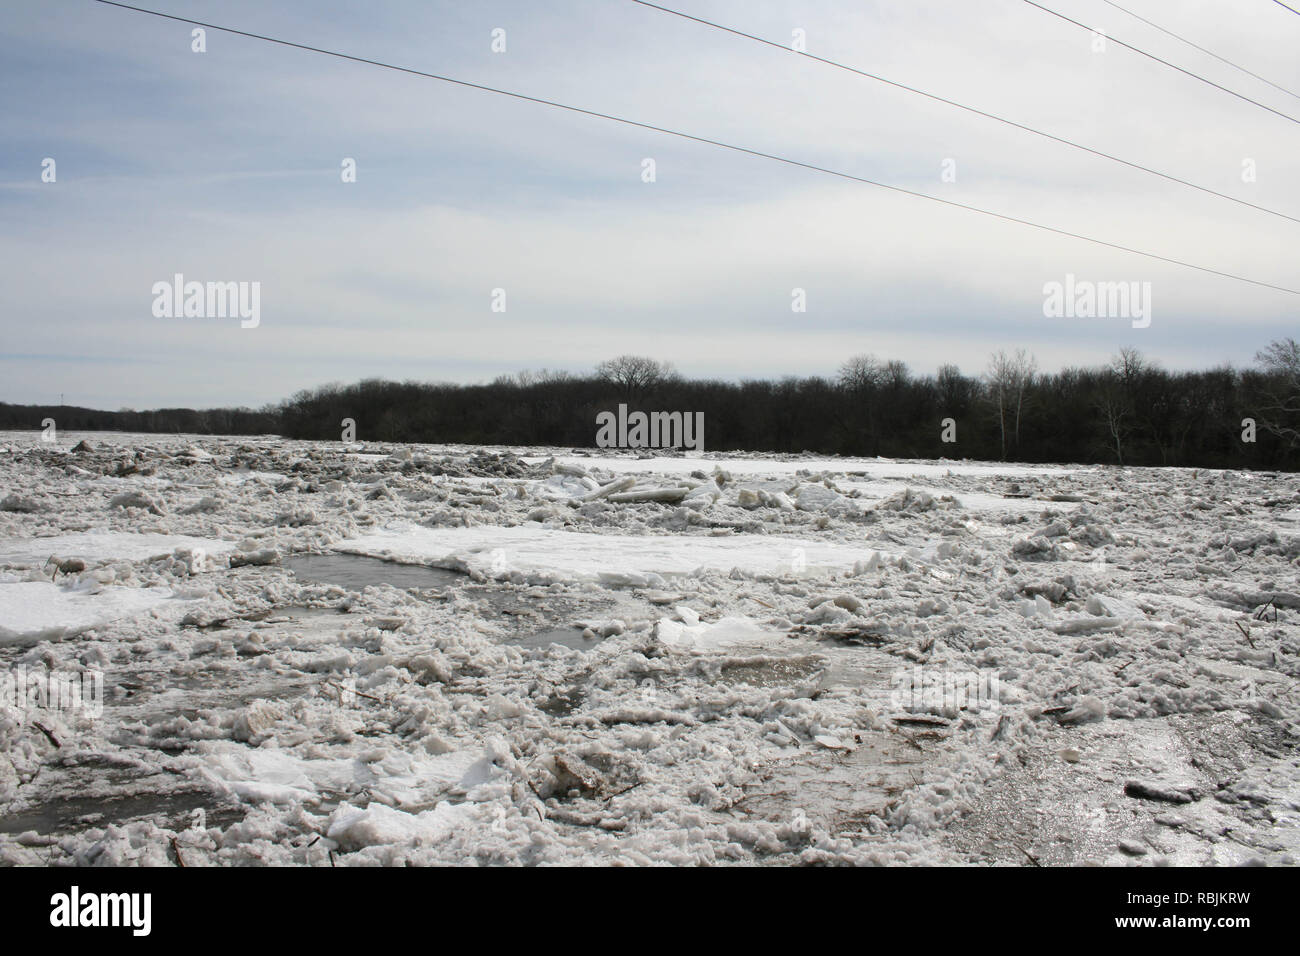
226, 166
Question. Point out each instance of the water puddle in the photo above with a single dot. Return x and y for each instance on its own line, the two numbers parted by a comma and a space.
770, 671
162, 696
355, 572
69, 814
872, 672
537, 616
566, 636
837, 791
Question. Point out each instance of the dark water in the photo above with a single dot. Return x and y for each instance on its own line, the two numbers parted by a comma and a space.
70, 814
355, 571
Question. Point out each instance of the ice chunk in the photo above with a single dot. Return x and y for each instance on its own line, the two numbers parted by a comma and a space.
820, 498
103, 546
848, 602
621, 484
1085, 711
911, 501
136, 499
379, 825
204, 505
705, 494
727, 632
19, 504
550, 554
663, 495
32, 611
1103, 605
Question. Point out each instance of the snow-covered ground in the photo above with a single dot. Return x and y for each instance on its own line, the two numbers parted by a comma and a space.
730, 658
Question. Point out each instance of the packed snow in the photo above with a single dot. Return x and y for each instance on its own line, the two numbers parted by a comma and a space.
705, 659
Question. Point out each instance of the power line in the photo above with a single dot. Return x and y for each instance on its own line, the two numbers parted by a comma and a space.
699, 139
1235, 66
1292, 9
962, 106
1172, 66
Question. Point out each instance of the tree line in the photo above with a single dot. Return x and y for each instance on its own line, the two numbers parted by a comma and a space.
189, 421
1129, 411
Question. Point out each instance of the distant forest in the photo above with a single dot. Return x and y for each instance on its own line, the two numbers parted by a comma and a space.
1130, 412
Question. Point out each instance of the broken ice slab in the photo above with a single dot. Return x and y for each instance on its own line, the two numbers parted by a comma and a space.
356, 572
664, 495
621, 484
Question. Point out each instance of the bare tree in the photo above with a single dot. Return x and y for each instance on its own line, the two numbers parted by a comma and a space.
997, 382
1113, 403
1024, 368
862, 373
896, 374
1281, 364
1282, 358
1117, 395
1129, 364
955, 390
543, 376
634, 373
863, 377
950, 380
1007, 380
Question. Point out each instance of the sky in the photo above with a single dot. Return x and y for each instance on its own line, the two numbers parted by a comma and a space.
227, 165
